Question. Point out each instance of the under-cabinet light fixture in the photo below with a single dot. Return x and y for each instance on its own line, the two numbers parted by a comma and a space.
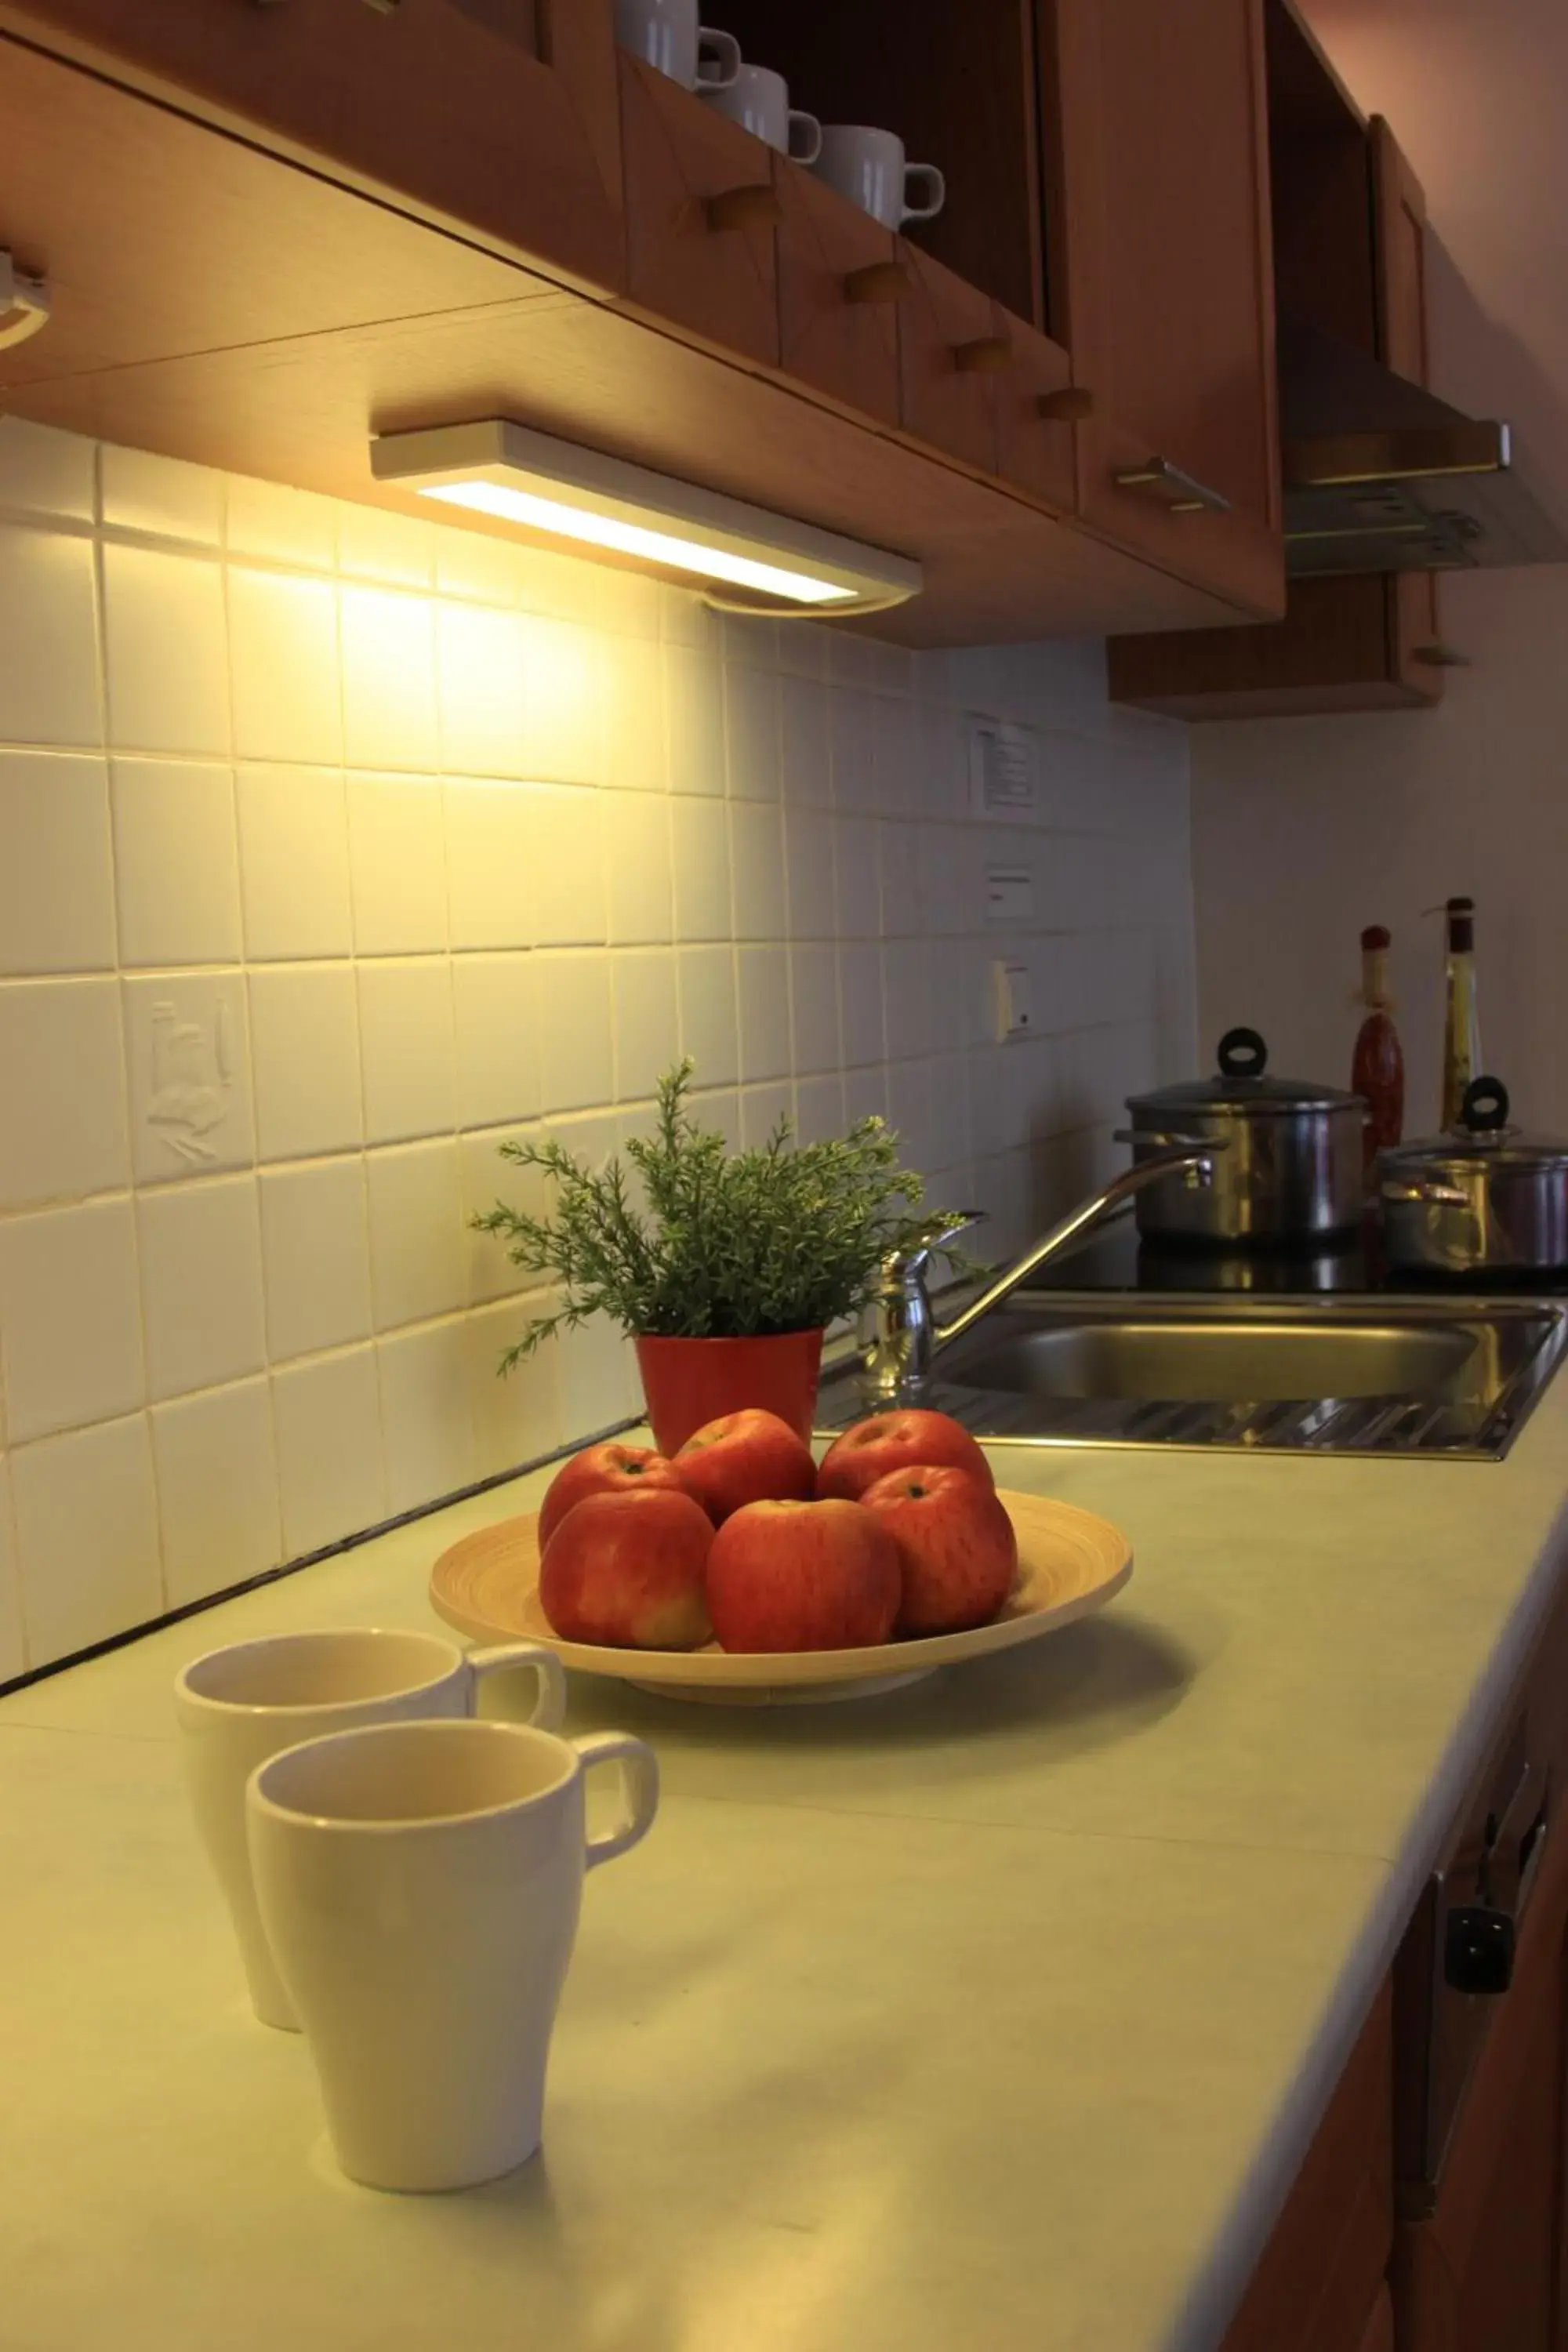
748, 559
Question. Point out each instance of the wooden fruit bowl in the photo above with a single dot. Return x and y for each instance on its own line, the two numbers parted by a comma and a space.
1069, 1563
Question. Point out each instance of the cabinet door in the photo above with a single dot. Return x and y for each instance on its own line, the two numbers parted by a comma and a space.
1482, 2273
1161, 114
1323, 2269
499, 115
701, 215
1377, 2335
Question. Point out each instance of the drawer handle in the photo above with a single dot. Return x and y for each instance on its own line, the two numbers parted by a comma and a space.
1161, 476
24, 304
741, 208
1071, 405
986, 355
1440, 656
879, 281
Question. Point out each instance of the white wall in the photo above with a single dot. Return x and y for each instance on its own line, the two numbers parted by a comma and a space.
334, 848
1305, 831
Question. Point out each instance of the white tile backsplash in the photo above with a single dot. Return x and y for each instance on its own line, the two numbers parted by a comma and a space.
176, 862
56, 872
408, 839
165, 651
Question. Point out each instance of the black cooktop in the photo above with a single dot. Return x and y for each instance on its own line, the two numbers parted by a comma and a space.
1116, 1258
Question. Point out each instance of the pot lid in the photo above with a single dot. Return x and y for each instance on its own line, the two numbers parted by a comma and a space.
1242, 1086
1481, 1133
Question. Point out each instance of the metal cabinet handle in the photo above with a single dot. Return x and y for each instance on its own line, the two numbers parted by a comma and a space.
1071, 405
879, 281
740, 208
1162, 477
1424, 1191
986, 355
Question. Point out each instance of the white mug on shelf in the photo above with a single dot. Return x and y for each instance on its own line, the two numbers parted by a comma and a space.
758, 100
420, 1884
237, 1706
667, 34
868, 167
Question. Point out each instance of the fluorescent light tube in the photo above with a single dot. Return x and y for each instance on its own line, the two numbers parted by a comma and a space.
562, 491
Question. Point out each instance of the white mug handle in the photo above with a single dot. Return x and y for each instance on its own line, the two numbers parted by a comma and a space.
639, 1784
938, 185
717, 73
810, 130
549, 1679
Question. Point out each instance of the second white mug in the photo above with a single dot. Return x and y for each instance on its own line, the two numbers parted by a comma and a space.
669, 36
868, 167
758, 100
238, 1705
420, 1884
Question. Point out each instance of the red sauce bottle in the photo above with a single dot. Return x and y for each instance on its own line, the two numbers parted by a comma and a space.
1378, 1068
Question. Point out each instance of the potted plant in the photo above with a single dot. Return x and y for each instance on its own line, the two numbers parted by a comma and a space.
725, 1268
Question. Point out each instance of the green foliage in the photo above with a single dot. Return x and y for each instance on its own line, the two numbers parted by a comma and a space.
788, 1238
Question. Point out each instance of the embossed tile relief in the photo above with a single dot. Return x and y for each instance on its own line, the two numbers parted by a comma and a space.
334, 848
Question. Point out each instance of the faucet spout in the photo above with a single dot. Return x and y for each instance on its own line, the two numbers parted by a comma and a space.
899, 1336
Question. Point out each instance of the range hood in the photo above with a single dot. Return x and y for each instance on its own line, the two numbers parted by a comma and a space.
1380, 476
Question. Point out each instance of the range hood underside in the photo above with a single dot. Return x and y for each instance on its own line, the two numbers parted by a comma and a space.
1381, 475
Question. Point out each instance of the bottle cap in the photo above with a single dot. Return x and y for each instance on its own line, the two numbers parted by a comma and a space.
1376, 936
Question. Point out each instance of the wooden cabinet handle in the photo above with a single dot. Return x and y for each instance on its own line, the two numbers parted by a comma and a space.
1071, 405
986, 355
879, 281
1440, 656
1178, 491
750, 207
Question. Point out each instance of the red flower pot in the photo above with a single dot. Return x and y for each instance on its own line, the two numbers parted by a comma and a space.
688, 1382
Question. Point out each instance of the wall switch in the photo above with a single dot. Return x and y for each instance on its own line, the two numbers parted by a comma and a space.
1014, 1000
1004, 769
1009, 894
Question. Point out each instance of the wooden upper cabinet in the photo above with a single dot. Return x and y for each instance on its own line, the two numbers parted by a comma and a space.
948, 345
1167, 305
1036, 414
702, 216
495, 115
841, 287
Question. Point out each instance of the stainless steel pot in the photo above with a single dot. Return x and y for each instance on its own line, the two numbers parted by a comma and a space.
1290, 1170
1482, 1198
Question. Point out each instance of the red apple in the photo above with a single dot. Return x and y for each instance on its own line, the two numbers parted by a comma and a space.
803, 1575
607, 1469
905, 1440
747, 1457
957, 1551
627, 1570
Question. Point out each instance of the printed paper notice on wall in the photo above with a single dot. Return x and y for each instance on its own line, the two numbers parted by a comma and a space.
1004, 769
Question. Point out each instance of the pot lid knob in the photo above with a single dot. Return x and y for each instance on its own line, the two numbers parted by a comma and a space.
1484, 1111
1242, 1055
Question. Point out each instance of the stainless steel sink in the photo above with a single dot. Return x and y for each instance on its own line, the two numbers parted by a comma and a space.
1335, 1376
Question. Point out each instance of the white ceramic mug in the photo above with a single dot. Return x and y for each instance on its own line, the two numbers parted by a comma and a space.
758, 100
666, 34
868, 167
420, 1884
238, 1705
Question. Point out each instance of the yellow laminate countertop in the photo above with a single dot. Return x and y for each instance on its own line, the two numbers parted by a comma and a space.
993, 2015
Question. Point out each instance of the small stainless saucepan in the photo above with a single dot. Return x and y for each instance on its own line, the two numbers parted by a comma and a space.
1292, 1172
1483, 1197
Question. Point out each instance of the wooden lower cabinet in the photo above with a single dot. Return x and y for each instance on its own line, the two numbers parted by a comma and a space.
1378, 2334
1482, 2273
1321, 2282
